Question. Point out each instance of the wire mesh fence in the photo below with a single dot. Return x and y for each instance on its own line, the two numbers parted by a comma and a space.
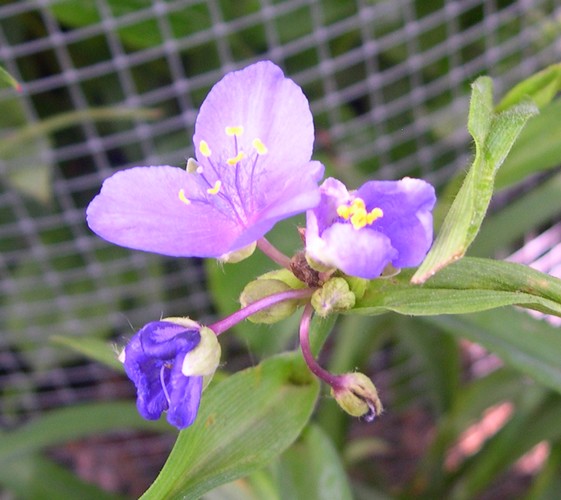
109, 84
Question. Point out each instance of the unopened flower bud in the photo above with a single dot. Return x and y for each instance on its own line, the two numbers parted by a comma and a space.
238, 255
356, 394
333, 296
204, 359
261, 288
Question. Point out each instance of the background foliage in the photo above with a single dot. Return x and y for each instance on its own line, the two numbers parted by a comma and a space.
110, 83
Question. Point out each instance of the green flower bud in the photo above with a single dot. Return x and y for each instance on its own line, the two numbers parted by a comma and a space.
334, 296
356, 394
238, 255
285, 276
261, 288
357, 285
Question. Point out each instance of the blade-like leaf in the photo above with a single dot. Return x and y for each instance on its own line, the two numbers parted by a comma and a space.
75, 422
529, 345
92, 348
7, 79
494, 135
244, 422
541, 87
37, 477
312, 468
469, 285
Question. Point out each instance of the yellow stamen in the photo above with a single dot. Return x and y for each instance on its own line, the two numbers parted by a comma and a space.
204, 148
215, 188
357, 213
344, 211
237, 131
183, 198
236, 159
259, 146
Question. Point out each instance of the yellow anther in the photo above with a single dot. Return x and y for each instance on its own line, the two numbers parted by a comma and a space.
344, 211
358, 204
357, 213
236, 159
183, 198
259, 146
204, 148
237, 131
215, 188
374, 214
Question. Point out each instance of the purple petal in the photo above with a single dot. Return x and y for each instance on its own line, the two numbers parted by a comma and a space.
357, 253
140, 208
185, 397
145, 374
407, 219
164, 340
269, 106
285, 198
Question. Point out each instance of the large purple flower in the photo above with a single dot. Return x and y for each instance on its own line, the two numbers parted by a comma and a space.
253, 137
361, 232
163, 362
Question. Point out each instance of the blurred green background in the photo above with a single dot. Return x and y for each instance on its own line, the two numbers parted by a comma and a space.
109, 84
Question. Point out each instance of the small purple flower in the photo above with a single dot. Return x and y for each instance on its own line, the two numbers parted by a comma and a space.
361, 232
161, 360
253, 137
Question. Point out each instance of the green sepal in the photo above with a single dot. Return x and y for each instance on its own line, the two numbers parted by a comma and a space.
261, 288
334, 296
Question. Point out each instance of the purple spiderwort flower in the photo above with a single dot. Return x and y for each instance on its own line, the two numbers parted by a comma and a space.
253, 137
361, 232
167, 361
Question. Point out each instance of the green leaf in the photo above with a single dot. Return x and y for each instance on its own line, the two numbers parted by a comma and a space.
494, 135
37, 477
537, 149
529, 211
469, 285
243, 423
92, 348
531, 346
9, 80
541, 87
312, 468
63, 425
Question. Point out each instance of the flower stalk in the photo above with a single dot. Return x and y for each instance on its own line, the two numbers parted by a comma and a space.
244, 313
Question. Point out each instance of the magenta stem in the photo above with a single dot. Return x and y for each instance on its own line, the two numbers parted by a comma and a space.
313, 365
273, 252
258, 305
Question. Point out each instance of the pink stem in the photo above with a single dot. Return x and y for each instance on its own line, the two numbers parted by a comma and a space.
313, 365
229, 321
273, 253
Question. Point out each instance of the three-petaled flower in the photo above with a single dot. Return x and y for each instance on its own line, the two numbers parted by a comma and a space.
253, 137
361, 232
167, 361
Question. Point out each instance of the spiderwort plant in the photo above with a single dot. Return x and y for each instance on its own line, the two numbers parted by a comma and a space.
253, 137
361, 232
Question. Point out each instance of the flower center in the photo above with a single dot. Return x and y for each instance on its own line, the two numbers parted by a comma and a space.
230, 173
357, 214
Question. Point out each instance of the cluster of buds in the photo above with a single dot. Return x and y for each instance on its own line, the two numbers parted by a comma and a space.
253, 140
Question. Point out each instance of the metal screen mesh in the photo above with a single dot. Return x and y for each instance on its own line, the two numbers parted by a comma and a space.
388, 83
